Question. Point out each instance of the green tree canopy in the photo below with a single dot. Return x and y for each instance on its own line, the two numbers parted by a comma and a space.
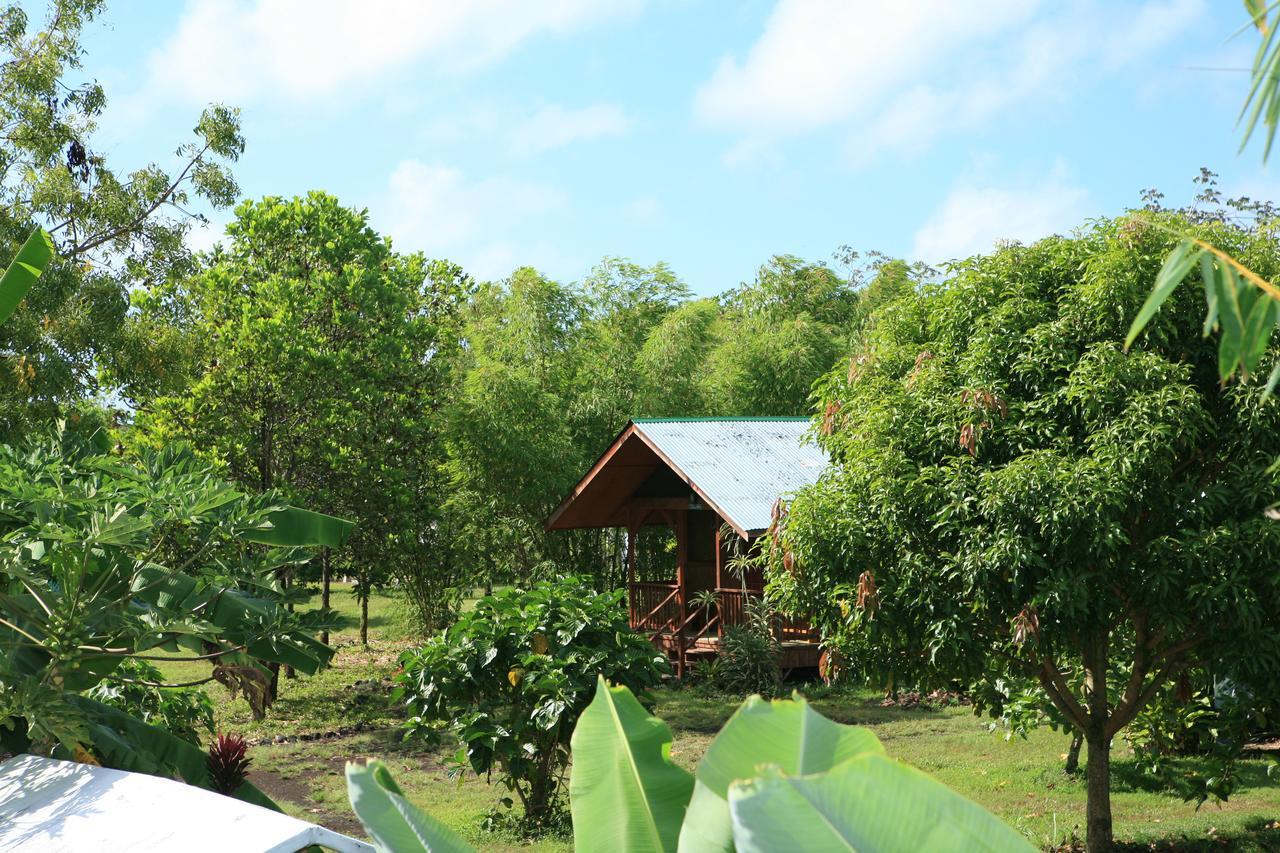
72, 338
318, 359
1015, 495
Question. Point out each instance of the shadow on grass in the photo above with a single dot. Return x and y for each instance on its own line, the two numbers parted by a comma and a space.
1133, 774
1258, 835
696, 710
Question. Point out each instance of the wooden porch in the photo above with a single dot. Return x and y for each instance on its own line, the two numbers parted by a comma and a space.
689, 631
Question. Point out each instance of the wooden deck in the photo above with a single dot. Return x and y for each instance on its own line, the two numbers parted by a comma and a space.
688, 630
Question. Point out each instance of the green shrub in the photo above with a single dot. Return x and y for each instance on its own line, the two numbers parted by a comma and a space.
510, 678
748, 661
181, 711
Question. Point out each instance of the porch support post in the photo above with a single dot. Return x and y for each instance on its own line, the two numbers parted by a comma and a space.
719, 559
682, 560
719, 546
632, 537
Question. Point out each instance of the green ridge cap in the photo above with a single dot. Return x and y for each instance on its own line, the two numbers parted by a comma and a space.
718, 420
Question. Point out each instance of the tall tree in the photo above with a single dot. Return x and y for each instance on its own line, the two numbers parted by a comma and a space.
781, 332
1015, 495
73, 336
319, 360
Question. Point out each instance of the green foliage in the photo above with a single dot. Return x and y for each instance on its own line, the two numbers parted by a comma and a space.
318, 356
135, 688
748, 662
788, 735
73, 337
1016, 496
552, 372
778, 776
511, 677
630, 770
32, 259
393, 823
1264, 93
103, 561
1242, 307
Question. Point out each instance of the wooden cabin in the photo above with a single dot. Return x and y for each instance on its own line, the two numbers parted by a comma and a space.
713, 482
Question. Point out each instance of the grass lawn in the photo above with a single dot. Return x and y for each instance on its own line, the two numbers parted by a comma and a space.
1019, 780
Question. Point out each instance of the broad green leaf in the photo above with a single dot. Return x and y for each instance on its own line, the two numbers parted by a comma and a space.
1209, 275
624, 791
870, 804
787, 734
1175, 269
1232, 322
292, 526
27, 265
1257, 332
395, 824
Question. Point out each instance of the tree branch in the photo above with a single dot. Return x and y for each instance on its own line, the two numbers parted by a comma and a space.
1060, 694
107, 236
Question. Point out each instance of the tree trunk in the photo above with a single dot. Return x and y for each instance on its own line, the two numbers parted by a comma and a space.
1098, 772
1073, 754
324, 588
364, 618
1098, 810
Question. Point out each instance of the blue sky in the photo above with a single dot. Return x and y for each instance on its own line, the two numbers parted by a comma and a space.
709, 135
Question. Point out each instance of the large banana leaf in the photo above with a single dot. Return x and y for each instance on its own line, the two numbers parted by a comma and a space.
788, 734
294, 527
624, 791
127, 743
395, 824
30, 262
871, 804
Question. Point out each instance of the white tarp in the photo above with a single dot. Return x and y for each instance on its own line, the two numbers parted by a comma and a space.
48, 805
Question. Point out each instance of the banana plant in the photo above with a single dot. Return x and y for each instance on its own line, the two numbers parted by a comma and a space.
778, 776
36, 254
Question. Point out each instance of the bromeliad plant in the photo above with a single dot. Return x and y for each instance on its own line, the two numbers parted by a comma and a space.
510, 678
104, 561
779, 776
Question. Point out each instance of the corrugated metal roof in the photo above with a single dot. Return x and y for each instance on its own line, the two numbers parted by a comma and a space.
742, 465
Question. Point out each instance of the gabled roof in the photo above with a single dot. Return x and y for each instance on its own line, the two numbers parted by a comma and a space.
737, 466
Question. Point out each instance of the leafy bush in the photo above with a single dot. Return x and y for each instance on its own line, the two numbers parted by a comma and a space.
778, 776
510, 678
133, 688
748, 661
1214, 724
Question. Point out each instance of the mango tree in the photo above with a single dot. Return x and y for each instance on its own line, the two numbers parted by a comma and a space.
1016, 496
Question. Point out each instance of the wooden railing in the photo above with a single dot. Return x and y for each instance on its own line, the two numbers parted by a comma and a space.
786, 629
654, 607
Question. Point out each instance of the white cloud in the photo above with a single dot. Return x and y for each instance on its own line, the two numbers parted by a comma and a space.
895, 77
555, 126
436, 209
238, 50
973, 218
822, 61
